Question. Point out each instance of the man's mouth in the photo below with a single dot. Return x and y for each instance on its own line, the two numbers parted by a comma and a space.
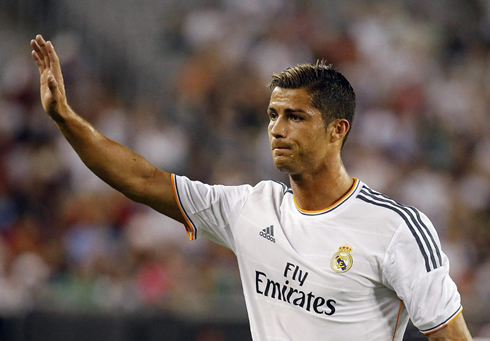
281, 150
276, 146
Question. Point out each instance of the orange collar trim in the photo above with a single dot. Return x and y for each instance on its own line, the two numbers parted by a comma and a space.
335, 204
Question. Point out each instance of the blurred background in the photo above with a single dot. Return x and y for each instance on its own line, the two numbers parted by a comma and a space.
184, 84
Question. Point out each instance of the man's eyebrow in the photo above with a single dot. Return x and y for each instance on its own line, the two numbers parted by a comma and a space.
289, 110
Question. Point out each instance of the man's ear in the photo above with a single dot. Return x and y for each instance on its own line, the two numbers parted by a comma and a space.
340, 128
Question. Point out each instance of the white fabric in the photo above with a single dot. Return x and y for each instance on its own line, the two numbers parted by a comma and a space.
292, 289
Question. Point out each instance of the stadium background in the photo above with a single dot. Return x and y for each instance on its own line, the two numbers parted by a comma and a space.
183, 83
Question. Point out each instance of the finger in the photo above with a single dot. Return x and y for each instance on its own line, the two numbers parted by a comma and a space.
36, 48
53, 58
55, 63
42, 45
39, 62
39, 53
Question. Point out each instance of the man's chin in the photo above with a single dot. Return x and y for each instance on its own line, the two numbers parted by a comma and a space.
284, 166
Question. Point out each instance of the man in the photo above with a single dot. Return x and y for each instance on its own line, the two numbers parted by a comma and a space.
326, 259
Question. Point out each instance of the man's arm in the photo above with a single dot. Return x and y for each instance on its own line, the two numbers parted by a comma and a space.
118, 166
454, 331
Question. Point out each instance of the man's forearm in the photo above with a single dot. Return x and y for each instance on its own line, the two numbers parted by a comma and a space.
115, 164
118, 166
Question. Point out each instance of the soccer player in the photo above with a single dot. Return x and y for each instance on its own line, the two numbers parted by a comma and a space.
327, 258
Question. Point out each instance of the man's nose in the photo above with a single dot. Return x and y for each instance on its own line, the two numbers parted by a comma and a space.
278, 128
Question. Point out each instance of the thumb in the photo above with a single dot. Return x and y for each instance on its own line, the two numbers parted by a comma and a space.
52, 84
54, 101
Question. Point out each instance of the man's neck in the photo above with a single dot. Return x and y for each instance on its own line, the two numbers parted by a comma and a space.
315, 192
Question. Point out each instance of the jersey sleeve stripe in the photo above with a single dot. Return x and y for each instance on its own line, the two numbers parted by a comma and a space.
436, 247
443, 324
419, 219
415, 235
189, 226
397, 319
430, 247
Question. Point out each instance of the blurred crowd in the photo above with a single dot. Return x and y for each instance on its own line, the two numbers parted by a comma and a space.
421, 72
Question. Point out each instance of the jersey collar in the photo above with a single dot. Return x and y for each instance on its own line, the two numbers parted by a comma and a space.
335, 205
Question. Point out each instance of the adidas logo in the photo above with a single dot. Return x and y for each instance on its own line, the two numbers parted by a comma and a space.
268, 233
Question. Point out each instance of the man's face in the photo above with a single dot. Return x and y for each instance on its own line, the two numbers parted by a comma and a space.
298, 137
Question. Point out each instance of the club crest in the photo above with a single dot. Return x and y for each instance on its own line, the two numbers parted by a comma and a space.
342, 260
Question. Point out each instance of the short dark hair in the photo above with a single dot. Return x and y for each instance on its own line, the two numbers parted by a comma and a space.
331, 93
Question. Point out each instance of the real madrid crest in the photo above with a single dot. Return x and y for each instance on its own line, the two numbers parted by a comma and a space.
342, 260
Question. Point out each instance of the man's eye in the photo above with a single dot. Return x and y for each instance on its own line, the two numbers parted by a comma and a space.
272, 116
295, 118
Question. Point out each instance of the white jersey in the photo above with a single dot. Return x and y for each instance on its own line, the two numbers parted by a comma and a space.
354, 271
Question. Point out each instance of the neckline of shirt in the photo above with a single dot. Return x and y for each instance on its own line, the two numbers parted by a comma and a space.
335, 205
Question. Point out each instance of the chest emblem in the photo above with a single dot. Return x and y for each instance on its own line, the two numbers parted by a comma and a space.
342, 260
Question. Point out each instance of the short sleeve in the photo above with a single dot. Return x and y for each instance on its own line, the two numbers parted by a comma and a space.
418, 271
210, 210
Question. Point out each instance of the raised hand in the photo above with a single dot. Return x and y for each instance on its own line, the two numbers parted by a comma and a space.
53, 96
